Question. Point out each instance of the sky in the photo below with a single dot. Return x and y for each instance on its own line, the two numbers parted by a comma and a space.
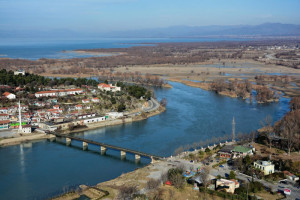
114, 15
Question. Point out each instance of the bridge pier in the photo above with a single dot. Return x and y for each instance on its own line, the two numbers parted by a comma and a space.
137, 157
152, 160
103, 150
84, 145
68, 141
52, 137
123, 155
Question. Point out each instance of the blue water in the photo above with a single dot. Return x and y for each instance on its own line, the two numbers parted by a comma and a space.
44, 169
34, 49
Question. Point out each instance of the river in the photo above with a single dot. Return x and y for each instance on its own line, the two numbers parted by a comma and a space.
43, 169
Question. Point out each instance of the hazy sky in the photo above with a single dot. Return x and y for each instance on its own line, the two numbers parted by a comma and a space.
106, 15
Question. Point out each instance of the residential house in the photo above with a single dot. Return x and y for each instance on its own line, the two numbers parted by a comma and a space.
95, 100
227, 185
85, 101
4, 110
110, 87
265, 166
56, 107
290, 176
78, 107
19, 71
9, 95
4, 124
4, 116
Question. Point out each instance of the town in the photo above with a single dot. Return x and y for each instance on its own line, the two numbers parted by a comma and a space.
35, 104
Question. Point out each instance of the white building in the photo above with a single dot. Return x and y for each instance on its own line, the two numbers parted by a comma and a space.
266, 166
51, 93
85, 101
20, 71
26, 129
110, 87
4, 116
93, 120
95, 100
9, 95
114, 115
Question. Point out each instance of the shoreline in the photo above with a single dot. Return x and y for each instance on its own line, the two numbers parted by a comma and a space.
41, 136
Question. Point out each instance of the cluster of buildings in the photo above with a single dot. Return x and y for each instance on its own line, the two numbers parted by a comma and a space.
232, 152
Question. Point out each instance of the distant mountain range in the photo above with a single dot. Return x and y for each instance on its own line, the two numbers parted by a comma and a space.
262, 30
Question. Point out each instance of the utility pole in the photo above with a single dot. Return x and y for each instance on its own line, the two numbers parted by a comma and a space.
233, 130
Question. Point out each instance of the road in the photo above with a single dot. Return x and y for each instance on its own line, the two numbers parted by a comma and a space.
153, 105
274, 187
226, 170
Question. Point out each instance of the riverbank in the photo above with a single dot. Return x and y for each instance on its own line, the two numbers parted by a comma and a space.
139, 178
24, 138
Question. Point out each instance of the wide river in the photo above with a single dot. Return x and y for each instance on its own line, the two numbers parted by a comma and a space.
43, 169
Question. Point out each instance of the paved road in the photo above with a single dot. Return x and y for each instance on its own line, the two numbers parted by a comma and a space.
153, 104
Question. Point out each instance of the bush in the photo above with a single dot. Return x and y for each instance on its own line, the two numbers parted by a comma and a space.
177, 180
173, 171
207, 150
127, 192
153, 184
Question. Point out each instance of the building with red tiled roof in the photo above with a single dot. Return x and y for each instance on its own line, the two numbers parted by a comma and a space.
95, 100
50, 93
9, 95
85, 101
110, 87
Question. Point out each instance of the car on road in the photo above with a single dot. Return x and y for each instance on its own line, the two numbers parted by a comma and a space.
287, 191
283, 182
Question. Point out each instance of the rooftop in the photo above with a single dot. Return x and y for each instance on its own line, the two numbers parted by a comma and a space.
241, 149
263, 163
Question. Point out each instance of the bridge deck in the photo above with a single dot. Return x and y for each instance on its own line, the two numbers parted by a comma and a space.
109, 146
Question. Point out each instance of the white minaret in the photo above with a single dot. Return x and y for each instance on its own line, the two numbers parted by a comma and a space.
20, 118
233, 130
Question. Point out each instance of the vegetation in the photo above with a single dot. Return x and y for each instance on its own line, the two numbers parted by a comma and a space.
287, 130
8, 78
176, 178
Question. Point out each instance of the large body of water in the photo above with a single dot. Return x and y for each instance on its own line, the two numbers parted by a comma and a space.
42, 169
34, 49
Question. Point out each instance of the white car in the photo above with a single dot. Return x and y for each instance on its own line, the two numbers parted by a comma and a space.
287, 191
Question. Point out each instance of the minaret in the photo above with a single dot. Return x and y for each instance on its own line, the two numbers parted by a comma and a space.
233, 130
20, 118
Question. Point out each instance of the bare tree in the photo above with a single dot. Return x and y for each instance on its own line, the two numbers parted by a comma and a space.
290, 131
268, 129
204, 176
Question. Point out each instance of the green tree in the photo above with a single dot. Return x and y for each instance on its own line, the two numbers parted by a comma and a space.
231, 175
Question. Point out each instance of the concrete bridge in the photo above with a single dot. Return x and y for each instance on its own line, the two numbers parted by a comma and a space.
104, 147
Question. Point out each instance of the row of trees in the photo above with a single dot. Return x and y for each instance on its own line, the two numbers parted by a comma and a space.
8, 78
286, 130
135, 77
